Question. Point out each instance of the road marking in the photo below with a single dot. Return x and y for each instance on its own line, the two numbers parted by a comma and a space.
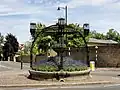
64, 87
6, 67
84, 86
112, 85
35, 89
116, 78
12, 63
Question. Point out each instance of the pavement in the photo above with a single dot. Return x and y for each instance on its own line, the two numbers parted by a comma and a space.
14, 77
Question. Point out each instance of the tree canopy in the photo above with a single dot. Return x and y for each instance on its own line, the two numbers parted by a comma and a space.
113, 35
1, 42
110, 35
73, 40
10, 47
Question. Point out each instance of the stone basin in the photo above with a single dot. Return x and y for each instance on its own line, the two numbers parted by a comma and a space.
41, 75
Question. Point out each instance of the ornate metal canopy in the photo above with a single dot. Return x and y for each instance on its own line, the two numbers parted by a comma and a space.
59, 29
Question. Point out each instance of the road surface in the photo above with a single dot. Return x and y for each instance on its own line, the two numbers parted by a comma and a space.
10, 65
84, 87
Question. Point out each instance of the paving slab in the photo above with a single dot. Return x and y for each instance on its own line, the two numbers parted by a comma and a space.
18, 78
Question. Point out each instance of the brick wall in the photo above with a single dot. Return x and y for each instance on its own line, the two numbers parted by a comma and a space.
108, 56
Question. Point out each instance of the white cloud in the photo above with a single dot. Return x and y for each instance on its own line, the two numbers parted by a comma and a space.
19, 26
9, 7
78, 3
17, 7
113, 6
34, 11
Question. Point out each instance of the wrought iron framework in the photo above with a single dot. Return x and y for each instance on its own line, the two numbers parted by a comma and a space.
59, 30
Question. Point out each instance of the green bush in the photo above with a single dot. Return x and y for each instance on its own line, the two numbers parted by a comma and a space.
51, 68
45, 68
75, 68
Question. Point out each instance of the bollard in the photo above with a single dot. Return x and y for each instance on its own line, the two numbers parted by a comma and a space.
92, 65
21, 65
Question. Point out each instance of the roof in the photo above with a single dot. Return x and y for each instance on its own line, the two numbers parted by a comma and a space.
93, 40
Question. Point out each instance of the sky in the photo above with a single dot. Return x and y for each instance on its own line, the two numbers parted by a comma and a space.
16, 15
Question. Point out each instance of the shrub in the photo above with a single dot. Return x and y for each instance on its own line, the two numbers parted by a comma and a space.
75, 68
51, 68
53, 64
48, 68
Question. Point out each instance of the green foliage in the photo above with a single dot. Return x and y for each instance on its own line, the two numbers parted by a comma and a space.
26, 50
42, 40
27, 47
110, 35
94, 34
35, 49
1, 42
13, 41
73, 40
113, 35
43, 43
51, 68
48, 68
11, 46
75, 68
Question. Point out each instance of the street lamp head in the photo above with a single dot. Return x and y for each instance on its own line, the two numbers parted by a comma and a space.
61, 21
58, 8
32, 29
32, 25
86, 29
86, 26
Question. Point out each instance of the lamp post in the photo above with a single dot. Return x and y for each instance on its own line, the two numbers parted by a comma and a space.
32, 31
86, 29
61, 23
1, 54
86, 33
59, 31
65, 8
21, 54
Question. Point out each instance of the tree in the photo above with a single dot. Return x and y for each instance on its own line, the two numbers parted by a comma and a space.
39, 27
10, 47
73, 40
39, 39
27, 46
1, 42
113, 35
94, 34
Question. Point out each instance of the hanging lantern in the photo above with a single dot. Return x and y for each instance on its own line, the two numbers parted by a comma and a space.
61, 21
32, 29
86, 29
